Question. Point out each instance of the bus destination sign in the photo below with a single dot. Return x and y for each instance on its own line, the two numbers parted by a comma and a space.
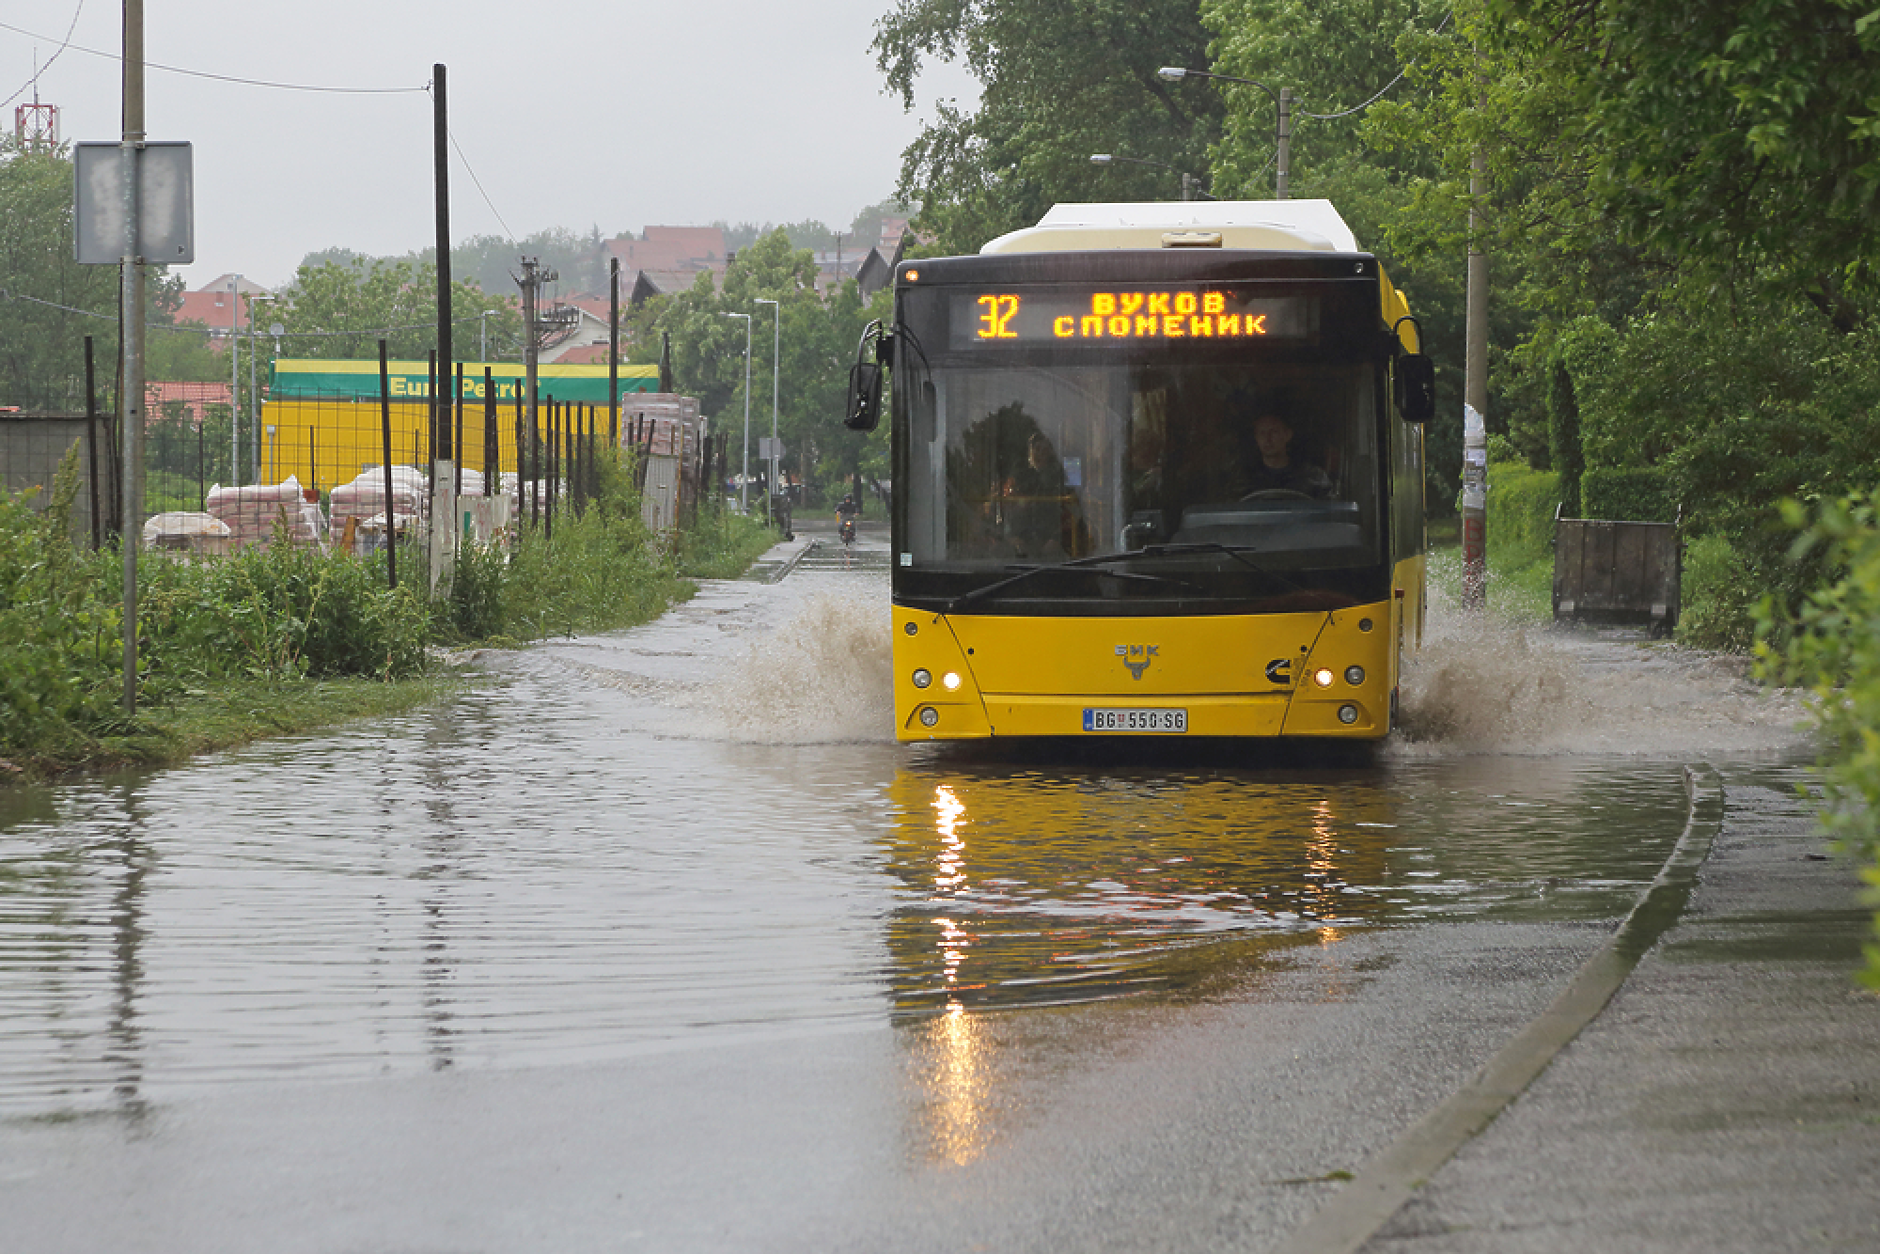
991, 319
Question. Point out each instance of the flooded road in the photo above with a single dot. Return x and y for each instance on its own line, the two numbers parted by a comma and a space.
631, 855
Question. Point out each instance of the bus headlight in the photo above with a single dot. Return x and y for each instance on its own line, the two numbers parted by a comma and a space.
923, 677
950, 681
928, 716
1323, 677
1354, 675
1347, 714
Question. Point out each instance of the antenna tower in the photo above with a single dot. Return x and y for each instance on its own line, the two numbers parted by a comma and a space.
36, 125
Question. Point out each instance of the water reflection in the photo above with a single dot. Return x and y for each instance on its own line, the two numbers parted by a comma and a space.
1035, 886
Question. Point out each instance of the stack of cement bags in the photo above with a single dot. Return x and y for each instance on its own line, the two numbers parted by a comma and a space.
253, 512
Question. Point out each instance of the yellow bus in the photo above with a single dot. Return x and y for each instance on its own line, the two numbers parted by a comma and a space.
1158, 471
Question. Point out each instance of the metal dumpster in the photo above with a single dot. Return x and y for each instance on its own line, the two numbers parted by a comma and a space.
1617, 572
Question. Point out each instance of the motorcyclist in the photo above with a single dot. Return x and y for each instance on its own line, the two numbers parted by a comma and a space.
846, 513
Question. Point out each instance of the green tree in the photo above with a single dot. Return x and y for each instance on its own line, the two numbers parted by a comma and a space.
50, 302
338, 310
1059, 82
817, 337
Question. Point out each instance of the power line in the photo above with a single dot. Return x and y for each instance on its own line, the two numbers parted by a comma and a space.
1327, 117
471, 171
223, 78
38, 70
193, 330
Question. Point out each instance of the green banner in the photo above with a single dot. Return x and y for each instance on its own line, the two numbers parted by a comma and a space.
410, 380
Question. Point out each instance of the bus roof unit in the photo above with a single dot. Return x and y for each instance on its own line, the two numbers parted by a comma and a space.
1266, 225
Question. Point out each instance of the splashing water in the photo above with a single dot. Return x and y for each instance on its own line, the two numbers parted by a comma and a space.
825, 675
1481, 684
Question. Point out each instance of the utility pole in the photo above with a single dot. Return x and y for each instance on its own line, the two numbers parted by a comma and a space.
1282, 176
613, 347
444, 521
131, 394
530, 281
1475, 411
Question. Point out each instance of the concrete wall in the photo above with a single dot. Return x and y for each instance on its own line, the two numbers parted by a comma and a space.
31, 446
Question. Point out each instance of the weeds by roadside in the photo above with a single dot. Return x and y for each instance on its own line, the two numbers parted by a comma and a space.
282, 639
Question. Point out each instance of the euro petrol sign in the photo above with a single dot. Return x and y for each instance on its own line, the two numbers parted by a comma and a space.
990, 319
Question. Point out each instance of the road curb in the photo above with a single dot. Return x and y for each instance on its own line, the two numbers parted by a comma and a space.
1381, 1188
789, 565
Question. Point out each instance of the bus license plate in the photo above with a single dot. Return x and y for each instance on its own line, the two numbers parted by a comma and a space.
1135, 720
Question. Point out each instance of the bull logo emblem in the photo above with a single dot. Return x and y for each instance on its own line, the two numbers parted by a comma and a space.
1137, 657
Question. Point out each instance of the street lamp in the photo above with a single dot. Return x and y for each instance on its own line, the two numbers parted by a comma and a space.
776, 356
234, 381
483, 335
1282, 104
1189, 181
744, 479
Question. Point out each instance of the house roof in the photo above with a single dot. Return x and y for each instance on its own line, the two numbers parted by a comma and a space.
213, 305
683, 248
194, 396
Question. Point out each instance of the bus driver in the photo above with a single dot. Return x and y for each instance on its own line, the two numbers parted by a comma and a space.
1278, 470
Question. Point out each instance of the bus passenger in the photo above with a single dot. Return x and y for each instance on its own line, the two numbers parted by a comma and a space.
1039, 510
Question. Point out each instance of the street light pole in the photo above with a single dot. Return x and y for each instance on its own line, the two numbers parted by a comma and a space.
744, 479
776, 357
483, 335
234, 381
254, 402
1282, 119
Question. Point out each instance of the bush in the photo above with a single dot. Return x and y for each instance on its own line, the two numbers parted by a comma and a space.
1628, 494
1521, 504
1718, 598
60, 627
278, 613
1832, 646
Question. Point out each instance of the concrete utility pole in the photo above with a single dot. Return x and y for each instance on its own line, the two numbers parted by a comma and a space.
530, 281
131, 393
744, 488
1475, 413
776, 357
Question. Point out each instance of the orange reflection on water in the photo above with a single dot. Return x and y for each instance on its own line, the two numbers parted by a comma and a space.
956, 1074
949, 817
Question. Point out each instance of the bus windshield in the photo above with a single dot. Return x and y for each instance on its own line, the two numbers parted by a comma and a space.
1013, 463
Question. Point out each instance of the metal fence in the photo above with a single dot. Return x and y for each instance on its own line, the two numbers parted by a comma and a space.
332, 444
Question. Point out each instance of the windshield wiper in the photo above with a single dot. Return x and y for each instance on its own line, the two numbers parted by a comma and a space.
1101, 559
1239, 552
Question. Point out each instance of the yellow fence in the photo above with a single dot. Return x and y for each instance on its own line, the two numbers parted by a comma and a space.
325, 442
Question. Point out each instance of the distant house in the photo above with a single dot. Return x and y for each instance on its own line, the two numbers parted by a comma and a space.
221, 304
872, 267
188, 401
669, 259
580, 337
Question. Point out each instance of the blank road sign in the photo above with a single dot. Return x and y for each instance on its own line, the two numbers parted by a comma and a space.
166, 233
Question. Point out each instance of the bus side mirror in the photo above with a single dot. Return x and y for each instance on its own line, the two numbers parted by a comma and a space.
863, 412
1416, 388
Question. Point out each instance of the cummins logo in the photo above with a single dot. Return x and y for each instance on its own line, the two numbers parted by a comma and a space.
1279, 671
1137, 657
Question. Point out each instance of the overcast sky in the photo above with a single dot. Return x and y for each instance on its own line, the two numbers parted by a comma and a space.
587, 113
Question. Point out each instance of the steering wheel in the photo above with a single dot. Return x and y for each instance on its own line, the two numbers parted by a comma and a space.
1276, 494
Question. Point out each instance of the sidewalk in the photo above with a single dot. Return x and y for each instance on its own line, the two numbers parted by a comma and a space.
1728, 1098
